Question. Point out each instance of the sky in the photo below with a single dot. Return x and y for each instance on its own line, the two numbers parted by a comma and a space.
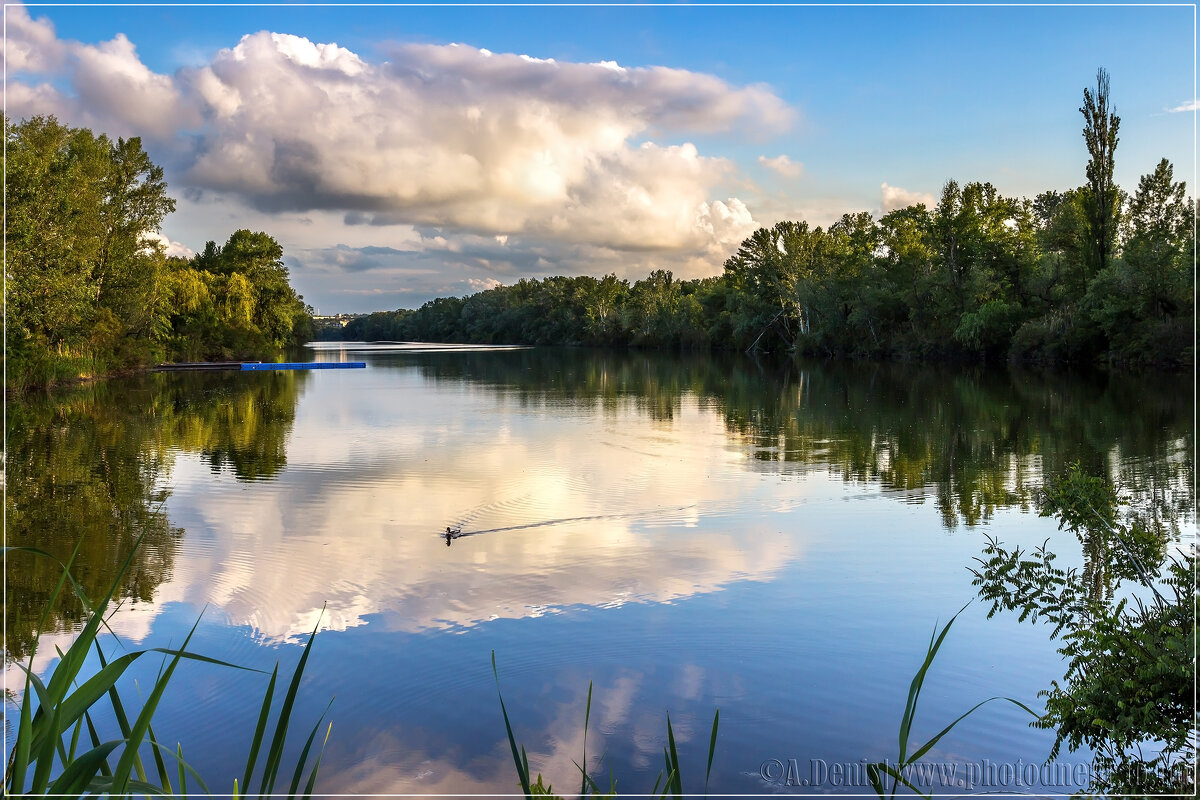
400, 153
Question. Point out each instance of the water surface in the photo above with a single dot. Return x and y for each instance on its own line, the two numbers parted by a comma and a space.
771, 539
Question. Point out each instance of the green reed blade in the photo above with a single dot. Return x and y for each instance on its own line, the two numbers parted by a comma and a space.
118, 707
44, 757
522, 769
74, 706
899, 777
121, 775
876, 781
43, 731
182, 776
261, 727
587, 715
95, 737
74, 741
712, 748
72, 662
275, 754
105, 786
669, 785
105, 680
80, 771
164, 778
184, 768
20, 761
674, 759
588, 780
298, 775
312, 776
914, 690
928, 745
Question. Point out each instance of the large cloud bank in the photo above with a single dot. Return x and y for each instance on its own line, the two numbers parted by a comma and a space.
588, 161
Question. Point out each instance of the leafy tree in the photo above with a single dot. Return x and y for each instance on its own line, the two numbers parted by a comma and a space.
86, 288
602, 301
1143, 302
128, 272
766, 274
1061, 238
89, 288
235, 300
907, 260
1159, 241
53, 190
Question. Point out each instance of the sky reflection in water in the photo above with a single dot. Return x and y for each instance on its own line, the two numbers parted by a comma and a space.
686, 533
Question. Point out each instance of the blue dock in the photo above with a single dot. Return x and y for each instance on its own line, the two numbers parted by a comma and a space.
257, 365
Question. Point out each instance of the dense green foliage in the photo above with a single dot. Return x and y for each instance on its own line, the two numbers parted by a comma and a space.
1128, 691
979, 276
235, 301
89, 289
1085, 275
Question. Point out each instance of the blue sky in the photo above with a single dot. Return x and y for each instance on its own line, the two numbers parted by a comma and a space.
363, 163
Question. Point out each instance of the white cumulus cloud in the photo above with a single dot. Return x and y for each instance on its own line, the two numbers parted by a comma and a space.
463, 138
451, 136
169, 247
31, 45
1191, 105
783, 165
112, 90
893, 197
560, 166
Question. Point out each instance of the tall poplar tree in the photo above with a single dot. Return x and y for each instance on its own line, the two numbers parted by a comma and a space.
1100, 196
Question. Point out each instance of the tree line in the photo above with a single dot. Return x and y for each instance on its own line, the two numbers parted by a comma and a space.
1088, 274
90, 289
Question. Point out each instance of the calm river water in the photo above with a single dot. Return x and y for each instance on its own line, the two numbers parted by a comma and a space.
774, 540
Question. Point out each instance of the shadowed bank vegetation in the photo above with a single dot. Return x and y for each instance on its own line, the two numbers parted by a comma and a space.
90, 468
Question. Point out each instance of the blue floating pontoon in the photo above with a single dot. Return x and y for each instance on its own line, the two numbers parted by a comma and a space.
254, 365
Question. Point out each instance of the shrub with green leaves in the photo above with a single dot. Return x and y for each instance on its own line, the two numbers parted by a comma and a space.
1127, 693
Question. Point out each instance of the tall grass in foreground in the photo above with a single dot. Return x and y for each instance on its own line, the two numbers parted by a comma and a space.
899, 773
672, 787
51, 754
